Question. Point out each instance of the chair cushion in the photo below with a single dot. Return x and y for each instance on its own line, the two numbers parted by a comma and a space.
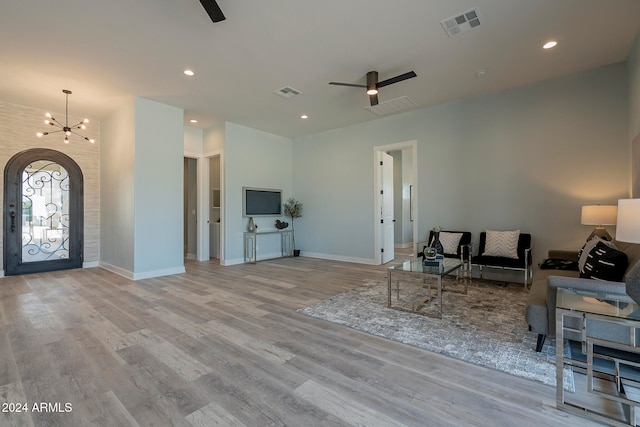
502, 244
605, 263
497, 261
450, 242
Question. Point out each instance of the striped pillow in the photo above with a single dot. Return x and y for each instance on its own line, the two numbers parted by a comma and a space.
502, 243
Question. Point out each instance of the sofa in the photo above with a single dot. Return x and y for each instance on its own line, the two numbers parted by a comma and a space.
541, 302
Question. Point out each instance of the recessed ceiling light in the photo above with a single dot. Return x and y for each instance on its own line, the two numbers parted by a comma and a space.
193, 121
188, 72
304, 116
550, 44
481, 73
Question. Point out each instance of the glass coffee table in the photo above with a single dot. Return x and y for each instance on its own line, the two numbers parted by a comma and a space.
429, 278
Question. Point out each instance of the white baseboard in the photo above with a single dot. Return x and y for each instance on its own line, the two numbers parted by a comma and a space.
403, 245
114, 269
333, 257
144, 275
191, 256
159, 273
261, 257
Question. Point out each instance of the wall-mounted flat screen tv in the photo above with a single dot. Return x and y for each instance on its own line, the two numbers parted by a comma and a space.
261, 202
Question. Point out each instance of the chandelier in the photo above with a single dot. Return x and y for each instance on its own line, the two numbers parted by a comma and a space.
68, 130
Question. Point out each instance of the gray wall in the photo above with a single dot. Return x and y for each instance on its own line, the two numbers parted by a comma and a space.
634, 90
526, 158
253, 159
116, 168
142, 176
158, 181
634, 118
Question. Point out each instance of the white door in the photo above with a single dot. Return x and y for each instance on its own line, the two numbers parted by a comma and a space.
386, 208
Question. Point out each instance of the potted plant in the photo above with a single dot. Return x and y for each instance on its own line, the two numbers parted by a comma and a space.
293, 209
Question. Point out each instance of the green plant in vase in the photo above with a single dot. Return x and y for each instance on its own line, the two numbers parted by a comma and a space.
293, 210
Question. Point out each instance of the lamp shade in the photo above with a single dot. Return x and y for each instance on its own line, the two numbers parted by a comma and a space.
628, 228
599, 215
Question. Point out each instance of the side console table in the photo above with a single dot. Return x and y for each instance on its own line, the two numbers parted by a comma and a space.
605, 359
251, 243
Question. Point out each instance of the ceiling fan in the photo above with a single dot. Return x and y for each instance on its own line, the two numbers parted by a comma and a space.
373, 84
214, 11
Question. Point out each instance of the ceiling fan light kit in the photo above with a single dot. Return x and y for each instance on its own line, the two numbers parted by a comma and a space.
373, 85
372, 81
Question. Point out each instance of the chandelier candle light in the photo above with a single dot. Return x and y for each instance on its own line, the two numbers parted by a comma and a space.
68, 130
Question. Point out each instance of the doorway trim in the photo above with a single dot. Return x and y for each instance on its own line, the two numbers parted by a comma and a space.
203, 203
377, 239
13, 178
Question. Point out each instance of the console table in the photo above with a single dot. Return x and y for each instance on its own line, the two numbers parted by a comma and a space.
605, 363
251, 243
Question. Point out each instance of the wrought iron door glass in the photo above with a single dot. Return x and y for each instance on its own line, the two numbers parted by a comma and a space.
45, 212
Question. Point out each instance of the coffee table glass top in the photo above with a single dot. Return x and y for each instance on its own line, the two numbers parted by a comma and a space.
417, 266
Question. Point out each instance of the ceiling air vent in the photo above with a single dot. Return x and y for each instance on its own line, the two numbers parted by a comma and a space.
392, 106
287, 92
461, 23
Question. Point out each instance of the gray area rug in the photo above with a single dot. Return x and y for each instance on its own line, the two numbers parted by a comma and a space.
485, 327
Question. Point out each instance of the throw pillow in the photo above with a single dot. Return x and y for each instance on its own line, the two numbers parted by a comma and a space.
586, 249
450, 242
605, 263
502, 244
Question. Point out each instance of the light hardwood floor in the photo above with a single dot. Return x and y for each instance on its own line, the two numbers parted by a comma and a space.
225, 346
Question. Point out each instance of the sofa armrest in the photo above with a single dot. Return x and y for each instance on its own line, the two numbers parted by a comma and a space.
555, 282
563, 254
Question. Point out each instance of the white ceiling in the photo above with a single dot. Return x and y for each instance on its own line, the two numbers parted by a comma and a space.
105, 51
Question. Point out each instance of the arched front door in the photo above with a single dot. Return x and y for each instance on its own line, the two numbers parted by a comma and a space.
43, 212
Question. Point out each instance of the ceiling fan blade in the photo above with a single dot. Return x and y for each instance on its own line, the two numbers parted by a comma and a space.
214, 11
373, 99
346, 84
397, 79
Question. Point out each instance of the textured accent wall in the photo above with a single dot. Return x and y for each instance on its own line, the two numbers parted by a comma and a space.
18, 128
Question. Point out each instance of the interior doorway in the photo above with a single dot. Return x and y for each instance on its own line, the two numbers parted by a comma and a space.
215, 211
204, 205
190, 208
403, 231
387, 208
